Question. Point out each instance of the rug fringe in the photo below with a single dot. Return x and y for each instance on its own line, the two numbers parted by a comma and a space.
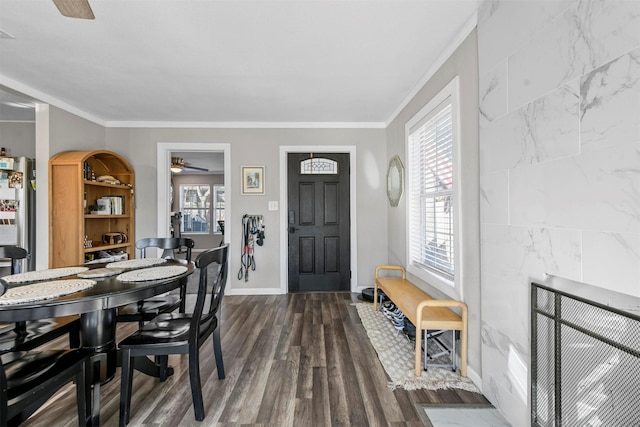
429, 384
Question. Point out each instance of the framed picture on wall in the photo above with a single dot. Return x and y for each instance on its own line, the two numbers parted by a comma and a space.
252, 179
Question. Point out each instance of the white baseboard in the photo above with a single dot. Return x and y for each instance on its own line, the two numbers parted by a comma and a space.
253, 291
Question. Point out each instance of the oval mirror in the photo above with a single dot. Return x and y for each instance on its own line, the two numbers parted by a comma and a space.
395, 181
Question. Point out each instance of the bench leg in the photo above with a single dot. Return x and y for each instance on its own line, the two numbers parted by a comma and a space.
418, 352
463, 351
375, 297
453, 350
425, 360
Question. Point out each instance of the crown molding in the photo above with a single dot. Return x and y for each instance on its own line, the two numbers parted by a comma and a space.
248, 125
446, 53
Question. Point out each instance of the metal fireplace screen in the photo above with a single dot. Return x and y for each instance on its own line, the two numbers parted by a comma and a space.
585, 361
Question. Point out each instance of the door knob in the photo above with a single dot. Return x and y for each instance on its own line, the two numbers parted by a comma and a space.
292, 229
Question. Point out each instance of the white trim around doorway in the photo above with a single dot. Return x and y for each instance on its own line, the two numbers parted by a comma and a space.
284, 207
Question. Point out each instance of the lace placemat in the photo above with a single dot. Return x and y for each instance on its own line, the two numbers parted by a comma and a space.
98, 273
54, 273
154, 273
137, 263
44, 290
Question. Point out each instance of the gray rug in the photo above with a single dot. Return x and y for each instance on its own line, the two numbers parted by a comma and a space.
396, 353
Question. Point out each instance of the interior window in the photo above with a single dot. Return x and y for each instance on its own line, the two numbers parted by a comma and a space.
218, 208
195, 205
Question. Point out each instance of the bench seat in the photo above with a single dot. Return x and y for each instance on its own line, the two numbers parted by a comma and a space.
425, 312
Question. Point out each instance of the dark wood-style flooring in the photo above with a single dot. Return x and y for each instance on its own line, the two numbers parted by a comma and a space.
290, 360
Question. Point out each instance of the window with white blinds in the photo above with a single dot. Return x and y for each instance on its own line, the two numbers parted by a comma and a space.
431, 197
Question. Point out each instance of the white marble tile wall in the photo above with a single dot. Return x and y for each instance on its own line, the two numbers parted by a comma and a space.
542, 130
589, 34
560, 166
609, 103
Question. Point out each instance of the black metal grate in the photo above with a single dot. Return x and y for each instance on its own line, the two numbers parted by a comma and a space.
585, 360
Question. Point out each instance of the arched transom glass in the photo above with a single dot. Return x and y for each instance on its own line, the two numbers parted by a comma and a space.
318, 165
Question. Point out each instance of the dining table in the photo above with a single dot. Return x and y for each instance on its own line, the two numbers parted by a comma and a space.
97, 305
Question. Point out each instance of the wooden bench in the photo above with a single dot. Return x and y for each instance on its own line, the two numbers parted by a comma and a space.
425, 312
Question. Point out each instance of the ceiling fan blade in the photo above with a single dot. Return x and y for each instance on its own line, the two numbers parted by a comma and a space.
75, 8
196, 168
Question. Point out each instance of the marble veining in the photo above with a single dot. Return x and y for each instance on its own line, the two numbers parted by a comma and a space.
545, 129
504, 26
494, 193
610, 103
586, 36
493, 94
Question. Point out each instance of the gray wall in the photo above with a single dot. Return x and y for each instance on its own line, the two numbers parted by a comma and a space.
261, 147
462, 63
18, 138
560, 184
70, 132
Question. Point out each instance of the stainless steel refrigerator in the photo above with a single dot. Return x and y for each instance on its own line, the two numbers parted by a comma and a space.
17, 206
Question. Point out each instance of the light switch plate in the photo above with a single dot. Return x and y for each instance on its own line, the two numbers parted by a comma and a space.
273, 205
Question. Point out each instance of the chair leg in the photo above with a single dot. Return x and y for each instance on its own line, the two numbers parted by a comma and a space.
217, 350
163, 362
183, 296
95, 369
82, 395
196, 387
126, 384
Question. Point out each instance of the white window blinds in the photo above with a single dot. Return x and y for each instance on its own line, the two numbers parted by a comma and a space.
431, 191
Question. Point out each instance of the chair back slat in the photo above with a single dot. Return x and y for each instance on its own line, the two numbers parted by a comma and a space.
167, 244
217, 278
15, 253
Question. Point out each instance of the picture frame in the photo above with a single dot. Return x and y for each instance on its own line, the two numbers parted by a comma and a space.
253, 180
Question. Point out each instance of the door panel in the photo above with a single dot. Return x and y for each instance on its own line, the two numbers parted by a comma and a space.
319, 226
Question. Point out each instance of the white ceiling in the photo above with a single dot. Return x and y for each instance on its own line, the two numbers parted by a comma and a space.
262, 61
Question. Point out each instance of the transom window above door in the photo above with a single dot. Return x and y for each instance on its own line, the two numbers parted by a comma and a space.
318, 166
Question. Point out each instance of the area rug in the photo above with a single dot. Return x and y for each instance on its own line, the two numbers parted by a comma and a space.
460, 414
396, 353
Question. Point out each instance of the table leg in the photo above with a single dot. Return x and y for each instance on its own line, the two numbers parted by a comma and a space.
98, 331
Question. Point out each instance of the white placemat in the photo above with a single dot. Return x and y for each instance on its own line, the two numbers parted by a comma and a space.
154, 273
137, 263
44, 290
54, 273
98, 273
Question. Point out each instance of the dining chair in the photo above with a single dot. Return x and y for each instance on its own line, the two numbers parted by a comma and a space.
29, 378
22, 336
181, 333
146, 310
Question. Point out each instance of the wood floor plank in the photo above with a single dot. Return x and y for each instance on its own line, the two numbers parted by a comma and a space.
290, 360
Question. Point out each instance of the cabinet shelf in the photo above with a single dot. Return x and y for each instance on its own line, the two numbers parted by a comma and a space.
106, 247
70, 195
96, 216
106, 184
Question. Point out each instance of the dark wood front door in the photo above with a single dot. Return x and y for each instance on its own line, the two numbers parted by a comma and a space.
319, 222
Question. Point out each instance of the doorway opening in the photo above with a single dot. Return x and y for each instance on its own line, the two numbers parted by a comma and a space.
194, 183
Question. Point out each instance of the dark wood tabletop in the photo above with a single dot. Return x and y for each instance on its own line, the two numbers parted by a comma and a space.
107, 293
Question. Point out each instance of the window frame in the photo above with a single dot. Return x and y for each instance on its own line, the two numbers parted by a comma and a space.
449, 285
216, 209
182, 208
